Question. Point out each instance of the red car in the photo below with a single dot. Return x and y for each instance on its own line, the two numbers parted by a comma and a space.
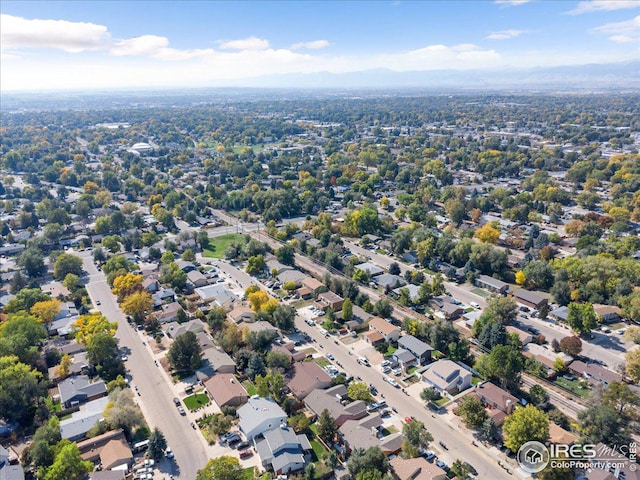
246, 453
408, 419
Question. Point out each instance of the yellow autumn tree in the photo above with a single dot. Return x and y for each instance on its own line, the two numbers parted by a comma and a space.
91, 187
521, 278
488, 233
62, 370
258, 299
90, 324
269, 306
125, 285
46, 310
138, 305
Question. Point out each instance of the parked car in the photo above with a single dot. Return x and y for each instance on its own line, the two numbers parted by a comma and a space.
470, 467
168, 452
429, 455
176, 401
442, 465
243, 445
330, 357
181, 410
246, 453
474, 304
233, 443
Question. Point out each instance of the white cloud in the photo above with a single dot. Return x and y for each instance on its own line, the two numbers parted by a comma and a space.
439, 57
504, 34
251, 43
512, 3
155, 47
603, 5
621, 32
74, 37
313, 45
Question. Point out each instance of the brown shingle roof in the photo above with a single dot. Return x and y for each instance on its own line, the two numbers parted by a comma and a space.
224, 387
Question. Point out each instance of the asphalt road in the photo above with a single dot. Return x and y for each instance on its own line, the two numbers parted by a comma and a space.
459, 445
155, 388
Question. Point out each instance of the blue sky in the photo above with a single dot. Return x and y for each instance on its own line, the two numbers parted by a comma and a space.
94, 44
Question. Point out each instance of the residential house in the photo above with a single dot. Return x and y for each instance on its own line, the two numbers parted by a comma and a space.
175, 329
405, 358
197, 279
217, 360
307, 376
275, 265
107, 475
330, 300
283, 451
607, 313
389, 332
261, 326
162, 296
80, 422
524, 337
332, 399
91, 448
77, 390
560, 436
373, 337
561, 314
293, 276
151, 285
7, 470
414, 292
217, 294
530, 299
369, 268
417, 347
260, 415
451, 311
447, 377
241, 314
492, 284
388, 282
186, 266
495, 397
226, 390
168, 312
415, 469
594, 373
364, 433
62, 327
116, 455
314, 285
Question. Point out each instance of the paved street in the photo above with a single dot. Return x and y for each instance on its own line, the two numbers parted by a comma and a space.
155, 388
441, 428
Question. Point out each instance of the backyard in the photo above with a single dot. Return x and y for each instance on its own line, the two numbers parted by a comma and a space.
219, 245
578, 387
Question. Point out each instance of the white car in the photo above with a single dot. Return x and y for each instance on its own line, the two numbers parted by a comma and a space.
474, 304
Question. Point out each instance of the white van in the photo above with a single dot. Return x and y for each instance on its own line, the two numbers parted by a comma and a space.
474, 304
324, 332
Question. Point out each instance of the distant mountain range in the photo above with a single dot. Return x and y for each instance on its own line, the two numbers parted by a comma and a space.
582, 77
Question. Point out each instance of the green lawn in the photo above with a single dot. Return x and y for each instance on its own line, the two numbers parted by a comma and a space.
256, 148
442, 401
475, 380
218, 245
481, 292
410, 370
247, 473
196, 400
322, 362
576, 386
318, 449
249, 387
390, 351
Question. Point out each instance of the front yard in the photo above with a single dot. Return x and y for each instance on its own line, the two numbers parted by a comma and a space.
196, 401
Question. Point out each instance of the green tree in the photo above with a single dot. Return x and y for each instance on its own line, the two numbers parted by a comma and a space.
122, 412
620, 396
42, 449
347, 310
286, 255
372, 459
32, 261
581, 317
416, 435
602, 423
326, 426
489, 430
633, 364
256, 264
359, 391
157, 444
68, 465
472, 411
502, 310
20, 335
102, 351
504, 363
299, 423
25, 299
430, 394
185, 354
460, 469
523, 425
21, 389
220, 423
188, 255
284, 317
65, 264
538, 395
221, 468
383, 308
